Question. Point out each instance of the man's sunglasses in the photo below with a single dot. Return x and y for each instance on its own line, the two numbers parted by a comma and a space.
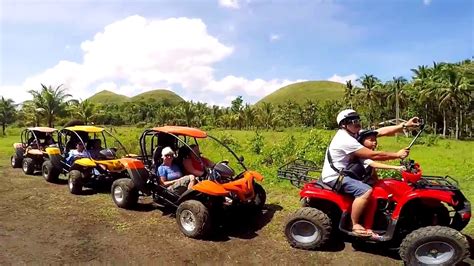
169, 155
354, 121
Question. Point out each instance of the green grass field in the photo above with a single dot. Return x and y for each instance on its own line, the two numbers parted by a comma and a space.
267, 151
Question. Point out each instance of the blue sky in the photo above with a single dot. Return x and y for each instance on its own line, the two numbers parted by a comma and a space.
213, 51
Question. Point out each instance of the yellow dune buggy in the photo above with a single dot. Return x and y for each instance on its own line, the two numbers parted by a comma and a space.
97, 165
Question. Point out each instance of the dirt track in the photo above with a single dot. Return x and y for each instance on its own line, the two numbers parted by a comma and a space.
44, 223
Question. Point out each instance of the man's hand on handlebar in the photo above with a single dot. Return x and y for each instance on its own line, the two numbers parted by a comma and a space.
403, 153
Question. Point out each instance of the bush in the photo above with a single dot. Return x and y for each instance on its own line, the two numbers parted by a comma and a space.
257, 143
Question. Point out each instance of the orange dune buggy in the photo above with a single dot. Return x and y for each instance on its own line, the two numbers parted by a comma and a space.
218, 189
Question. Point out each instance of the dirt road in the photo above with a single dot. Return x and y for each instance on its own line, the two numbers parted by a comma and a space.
44, 223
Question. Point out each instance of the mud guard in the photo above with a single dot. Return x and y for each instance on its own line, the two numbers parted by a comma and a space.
138, 173
211, 188
437, 195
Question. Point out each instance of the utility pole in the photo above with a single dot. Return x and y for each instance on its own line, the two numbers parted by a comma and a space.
397, 109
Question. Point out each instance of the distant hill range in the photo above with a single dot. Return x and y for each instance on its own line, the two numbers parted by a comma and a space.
297, 92
106, 96
308, 90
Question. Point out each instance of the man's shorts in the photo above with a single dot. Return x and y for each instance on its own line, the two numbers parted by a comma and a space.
184, 182
352, 186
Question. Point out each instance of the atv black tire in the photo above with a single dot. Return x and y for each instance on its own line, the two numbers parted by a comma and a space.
16, 161
28, 166
424, 246
193, 219
260, 197
308, 228
50, 173
124, 193
74, 182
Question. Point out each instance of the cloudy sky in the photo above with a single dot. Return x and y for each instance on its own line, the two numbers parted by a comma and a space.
215, 50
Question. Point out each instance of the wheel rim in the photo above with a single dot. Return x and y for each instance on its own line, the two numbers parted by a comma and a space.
188, 221
304, 232
118, 194
13, 161
434, 253
45, 172
25, 166
70, 184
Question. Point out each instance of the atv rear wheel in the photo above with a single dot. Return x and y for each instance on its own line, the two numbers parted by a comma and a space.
28, 166
308, 228
193, 219
74, 182
16, 161
124, 193
260, 196
50, 173
434, 245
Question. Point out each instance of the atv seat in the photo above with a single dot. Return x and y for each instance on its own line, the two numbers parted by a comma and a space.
323, 185
157, 160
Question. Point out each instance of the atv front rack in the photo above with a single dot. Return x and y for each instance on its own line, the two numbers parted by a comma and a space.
437, 183
298, 172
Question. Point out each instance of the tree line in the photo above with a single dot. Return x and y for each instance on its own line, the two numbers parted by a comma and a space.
442, 94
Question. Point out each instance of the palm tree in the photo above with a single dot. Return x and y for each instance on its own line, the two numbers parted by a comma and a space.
398, 84
85, 110
7, 112
348, 92
52, 102
370, 83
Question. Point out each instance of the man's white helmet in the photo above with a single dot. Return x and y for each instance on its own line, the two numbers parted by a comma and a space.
347, 114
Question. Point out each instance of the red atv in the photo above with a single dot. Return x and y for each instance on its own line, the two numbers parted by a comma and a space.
420, 215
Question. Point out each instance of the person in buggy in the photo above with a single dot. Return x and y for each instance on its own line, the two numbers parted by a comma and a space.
170, 173
343, 148
192, 163
79, 152
368, 138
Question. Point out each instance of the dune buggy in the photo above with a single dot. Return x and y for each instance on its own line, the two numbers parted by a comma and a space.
99, 167
420, 215
30, 152
219, 188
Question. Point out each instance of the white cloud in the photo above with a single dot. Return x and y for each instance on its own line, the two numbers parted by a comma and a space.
229, 3
426, 2
274, 37
343, 79
135, 54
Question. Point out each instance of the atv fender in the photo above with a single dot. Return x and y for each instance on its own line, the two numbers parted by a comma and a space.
85, 162
311, 191
431, 194
211, 188
138, 173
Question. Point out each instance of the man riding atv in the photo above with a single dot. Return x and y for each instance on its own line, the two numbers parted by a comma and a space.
345, 146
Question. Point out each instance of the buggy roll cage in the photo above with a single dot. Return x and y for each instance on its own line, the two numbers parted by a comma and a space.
33, 130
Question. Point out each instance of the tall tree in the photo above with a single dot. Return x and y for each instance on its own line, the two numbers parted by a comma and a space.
85, 110
7, 112
51, 102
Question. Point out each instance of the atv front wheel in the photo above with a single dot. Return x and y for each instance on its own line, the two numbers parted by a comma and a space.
308, 228
434, 245
28, 166
193, 219
124, 193
50, 173
74, 182
15, 161
260, 196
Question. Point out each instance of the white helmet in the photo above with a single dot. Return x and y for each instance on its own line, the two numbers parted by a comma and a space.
346, 114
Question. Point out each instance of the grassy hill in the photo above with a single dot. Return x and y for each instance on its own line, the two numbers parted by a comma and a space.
106, 96
159, 96
308, 90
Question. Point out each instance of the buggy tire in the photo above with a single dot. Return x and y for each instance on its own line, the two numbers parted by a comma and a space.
260, 197
124, 193
74, 182
424, 246
28, 166
50, 173
193, 219
308, 228
16, 161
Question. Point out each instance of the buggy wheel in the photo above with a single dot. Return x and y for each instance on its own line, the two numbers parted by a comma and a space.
15, 161
50, 173
193, 219
124, 193
74, 182
260, 197
434, 245
308, 228
28, 166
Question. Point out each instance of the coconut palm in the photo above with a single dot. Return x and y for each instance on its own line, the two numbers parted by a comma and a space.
7, 112
85, 110
50, 102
